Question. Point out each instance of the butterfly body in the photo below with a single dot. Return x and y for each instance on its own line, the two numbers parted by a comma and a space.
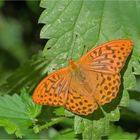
86, 84
83, 79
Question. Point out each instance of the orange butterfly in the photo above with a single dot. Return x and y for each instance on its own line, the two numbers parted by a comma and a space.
86, 84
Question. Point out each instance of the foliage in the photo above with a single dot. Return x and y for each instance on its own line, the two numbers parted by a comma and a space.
118, 133
71, 27
13, 48
17, 113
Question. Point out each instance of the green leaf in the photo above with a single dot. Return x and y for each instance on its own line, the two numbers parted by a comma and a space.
109, 20
69, 34
33, 70
73, 27
118, 133
59, 111
78, 124
32, 109
125, 99
65, 134
17, 114
94, 129
134, 106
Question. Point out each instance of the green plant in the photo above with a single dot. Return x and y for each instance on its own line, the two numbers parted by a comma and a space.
71, 24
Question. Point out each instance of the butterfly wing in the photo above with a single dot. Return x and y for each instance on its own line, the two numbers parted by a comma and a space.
107, 87
107, 60
53, 89
109, 57
84, 97
80, 100
102, 65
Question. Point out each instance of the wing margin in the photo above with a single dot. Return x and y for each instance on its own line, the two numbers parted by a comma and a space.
53, 89
109, 57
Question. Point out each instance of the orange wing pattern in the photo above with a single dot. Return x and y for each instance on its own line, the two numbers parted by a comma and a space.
93, 80
80, 99
80, 104
53, 89
109, 57
107, 87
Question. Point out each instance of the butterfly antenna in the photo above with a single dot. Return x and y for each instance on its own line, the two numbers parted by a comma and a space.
85, 50
73, 45
75, 36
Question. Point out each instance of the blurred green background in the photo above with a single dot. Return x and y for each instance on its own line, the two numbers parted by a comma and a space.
19, 40
19, 31
19, 37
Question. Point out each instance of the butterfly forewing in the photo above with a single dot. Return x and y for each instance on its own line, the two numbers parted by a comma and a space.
109, 57
87, 84
53, 89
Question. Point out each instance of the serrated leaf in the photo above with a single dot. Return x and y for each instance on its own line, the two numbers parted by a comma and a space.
94, 129
69, 33
72, 25
125, 99
64, 20
16, 114
129, 79
31, 108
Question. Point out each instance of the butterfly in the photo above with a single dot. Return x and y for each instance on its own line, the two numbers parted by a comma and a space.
87, 84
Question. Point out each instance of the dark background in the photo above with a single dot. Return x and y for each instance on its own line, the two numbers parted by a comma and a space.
20, 32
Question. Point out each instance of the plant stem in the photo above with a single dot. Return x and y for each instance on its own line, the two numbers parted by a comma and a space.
53, 122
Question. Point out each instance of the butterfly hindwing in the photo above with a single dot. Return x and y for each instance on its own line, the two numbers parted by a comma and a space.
53, 89
78, 103
87, 84
107, 87
80, 100
109, 57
